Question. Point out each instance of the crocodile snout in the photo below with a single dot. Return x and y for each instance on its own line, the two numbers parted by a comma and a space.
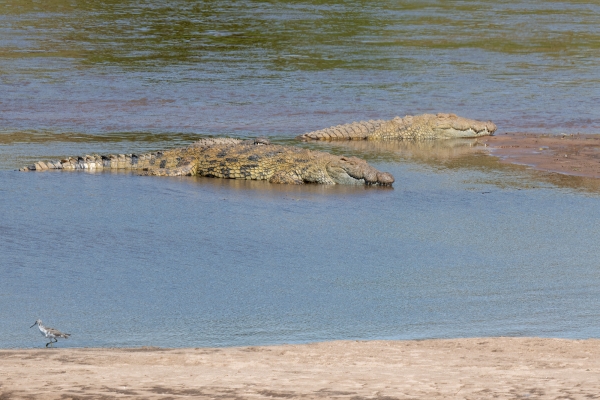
491, 127
451, 125
385, 178
353, 170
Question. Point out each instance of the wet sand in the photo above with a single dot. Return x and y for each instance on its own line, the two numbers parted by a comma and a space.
476, 368
577, 154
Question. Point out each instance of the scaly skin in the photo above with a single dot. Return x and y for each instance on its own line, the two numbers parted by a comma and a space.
237, 159
425, 126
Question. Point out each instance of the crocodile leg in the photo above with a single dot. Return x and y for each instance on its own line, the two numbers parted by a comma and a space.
185, 168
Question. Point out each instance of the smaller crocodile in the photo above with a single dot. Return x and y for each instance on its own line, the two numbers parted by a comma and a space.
424, 126
236, 159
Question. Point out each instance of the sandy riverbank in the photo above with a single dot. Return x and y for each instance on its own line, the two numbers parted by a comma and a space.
577, 154
477, 368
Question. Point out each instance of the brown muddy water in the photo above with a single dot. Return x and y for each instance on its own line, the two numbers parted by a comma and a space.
461, 246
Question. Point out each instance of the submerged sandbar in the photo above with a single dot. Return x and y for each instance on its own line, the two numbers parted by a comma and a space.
573, 154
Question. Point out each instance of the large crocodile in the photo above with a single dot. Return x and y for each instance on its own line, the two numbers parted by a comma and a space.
425, 126
237, 159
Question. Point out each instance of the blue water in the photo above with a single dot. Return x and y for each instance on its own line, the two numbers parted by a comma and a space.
121, 260
462, 246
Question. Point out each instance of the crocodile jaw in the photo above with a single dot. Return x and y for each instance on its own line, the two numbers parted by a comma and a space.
460, 133
453, 126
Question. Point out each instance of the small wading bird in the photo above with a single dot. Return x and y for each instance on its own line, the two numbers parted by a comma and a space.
50, 333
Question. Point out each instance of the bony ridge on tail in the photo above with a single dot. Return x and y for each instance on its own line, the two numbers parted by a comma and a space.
50, 333
418, 127
255, 159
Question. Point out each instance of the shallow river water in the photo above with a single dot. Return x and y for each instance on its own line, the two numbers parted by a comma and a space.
461, 246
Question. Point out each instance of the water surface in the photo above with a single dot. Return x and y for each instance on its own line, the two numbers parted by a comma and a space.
462, 246
291, 67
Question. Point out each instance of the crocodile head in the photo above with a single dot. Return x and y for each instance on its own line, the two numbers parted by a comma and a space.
453, 126
355, 171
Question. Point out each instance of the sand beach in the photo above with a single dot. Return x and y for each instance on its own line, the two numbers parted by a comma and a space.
474, 368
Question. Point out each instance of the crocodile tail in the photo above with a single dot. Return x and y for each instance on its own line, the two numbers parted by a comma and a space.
159, 159
99, 162
354, 131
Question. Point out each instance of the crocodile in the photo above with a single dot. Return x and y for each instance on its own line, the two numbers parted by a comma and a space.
424, 126
255, 159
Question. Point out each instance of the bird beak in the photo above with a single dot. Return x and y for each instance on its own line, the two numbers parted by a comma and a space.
33, 325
